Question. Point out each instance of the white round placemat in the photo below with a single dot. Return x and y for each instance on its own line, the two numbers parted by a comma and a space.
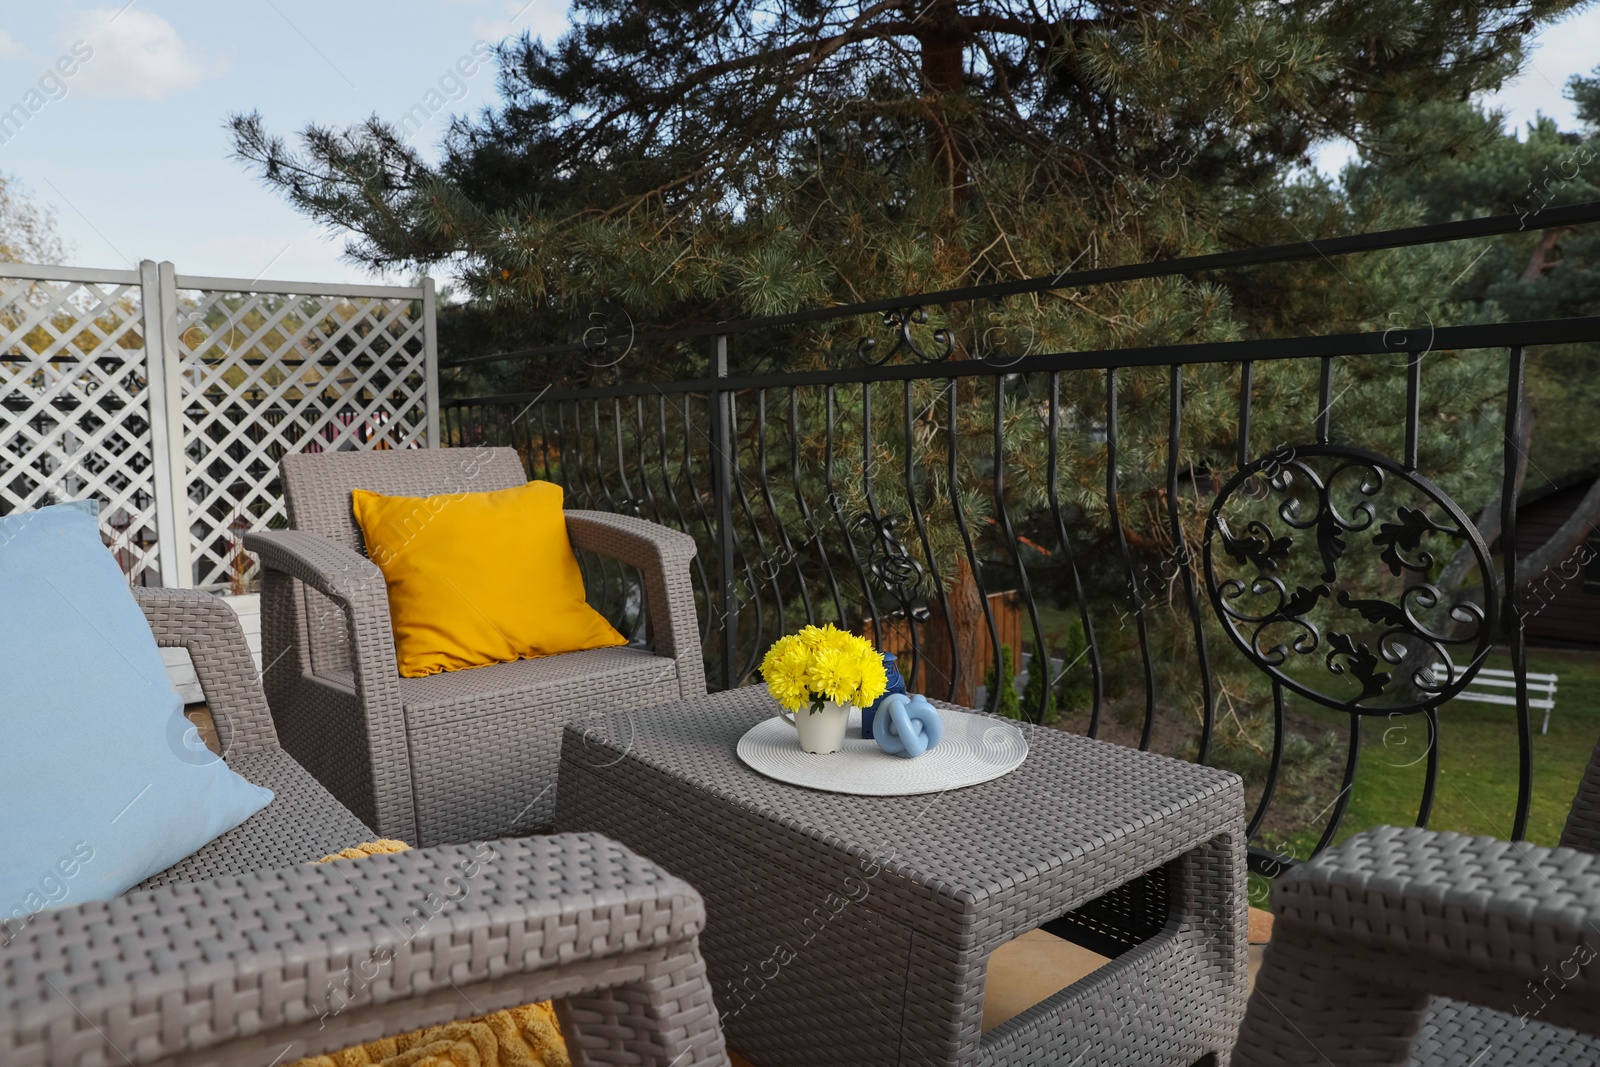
974, 749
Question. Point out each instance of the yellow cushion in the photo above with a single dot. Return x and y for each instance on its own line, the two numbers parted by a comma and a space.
479, 578
528, 1036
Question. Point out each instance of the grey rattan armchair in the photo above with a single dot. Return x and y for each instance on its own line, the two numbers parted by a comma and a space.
458, 756
244, 954
1410, 946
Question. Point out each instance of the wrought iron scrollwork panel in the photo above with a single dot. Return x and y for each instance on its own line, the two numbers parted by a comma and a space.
902, 321
1320, 561
893, 569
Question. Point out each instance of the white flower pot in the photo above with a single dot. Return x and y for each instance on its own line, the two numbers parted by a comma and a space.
821, 731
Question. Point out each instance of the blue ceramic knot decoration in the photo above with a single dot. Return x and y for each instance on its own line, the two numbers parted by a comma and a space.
907, 725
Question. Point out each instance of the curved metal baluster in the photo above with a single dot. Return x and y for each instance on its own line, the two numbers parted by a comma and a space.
633, 505
1513, 622
667, 481
694, 493
613, 572
1246, 380
1343, 800
1181, 543
1325, 401
927, 553
954, 428
591, 499
844, 526
758, 646
1053, 489
813, 533
1425, 808
1412, 448
599, 464
656, 515
544, 439
1273, 767
872, 516
777, 522
570, 463
561, 436
1041, 653
1413, 408
524, 437
1134, 589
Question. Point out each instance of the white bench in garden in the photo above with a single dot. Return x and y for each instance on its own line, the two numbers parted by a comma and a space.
1496, 682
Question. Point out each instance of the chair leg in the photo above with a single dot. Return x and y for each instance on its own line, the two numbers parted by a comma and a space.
665, 1018
1308, 1009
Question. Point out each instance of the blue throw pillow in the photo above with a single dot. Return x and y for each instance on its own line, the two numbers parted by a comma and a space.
98, 789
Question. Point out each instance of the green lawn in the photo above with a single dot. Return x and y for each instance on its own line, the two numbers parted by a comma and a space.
1477, 789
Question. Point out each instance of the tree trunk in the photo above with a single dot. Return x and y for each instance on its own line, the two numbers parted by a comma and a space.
968, 660
1540, 263
1558, 548
943, 40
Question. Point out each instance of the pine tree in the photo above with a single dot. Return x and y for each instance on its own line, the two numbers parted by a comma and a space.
664, 165
701, 161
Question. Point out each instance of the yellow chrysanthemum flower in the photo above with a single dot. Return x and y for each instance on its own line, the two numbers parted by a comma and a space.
823, 663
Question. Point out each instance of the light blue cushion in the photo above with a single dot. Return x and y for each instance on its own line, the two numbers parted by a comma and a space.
98, 789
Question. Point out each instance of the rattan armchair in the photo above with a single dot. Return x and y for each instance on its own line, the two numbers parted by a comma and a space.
1411, 946
459, 756
244, 954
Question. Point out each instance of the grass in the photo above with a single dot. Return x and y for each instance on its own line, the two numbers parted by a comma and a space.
1478, 755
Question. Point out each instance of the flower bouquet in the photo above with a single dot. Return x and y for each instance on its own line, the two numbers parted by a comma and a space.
818, 675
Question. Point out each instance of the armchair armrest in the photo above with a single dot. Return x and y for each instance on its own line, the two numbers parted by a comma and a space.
341, 574
360, 755
210, 631
662, 555
1365, 933
270, 967
1583, 821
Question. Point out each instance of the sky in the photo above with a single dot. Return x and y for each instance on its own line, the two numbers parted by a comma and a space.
131, 152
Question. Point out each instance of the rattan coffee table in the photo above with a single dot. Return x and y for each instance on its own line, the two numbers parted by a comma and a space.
857, 930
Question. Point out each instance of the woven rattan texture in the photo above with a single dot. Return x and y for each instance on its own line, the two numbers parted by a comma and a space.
877, 914
351, 736
243, 954
457, 756
209, 630
306, 959
303, 823
1457, 1034
487, 741
1368, 931
1583, 821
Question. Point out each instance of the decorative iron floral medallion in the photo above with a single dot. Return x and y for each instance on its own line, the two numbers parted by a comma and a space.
1320, 561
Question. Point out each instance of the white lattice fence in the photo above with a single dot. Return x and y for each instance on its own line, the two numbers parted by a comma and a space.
279, 370
93, 362
75, 403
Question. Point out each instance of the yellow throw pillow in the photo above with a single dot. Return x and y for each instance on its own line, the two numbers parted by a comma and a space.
479, 578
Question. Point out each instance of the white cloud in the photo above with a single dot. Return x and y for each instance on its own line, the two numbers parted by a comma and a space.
10, 48
546, 19
137, 54
1560, 50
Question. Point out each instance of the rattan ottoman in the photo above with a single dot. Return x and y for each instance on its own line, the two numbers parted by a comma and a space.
857, 930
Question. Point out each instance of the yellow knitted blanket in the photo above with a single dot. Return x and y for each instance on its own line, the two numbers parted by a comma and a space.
519, 1037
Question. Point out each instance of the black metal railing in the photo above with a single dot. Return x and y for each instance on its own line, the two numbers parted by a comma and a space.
1217, 550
